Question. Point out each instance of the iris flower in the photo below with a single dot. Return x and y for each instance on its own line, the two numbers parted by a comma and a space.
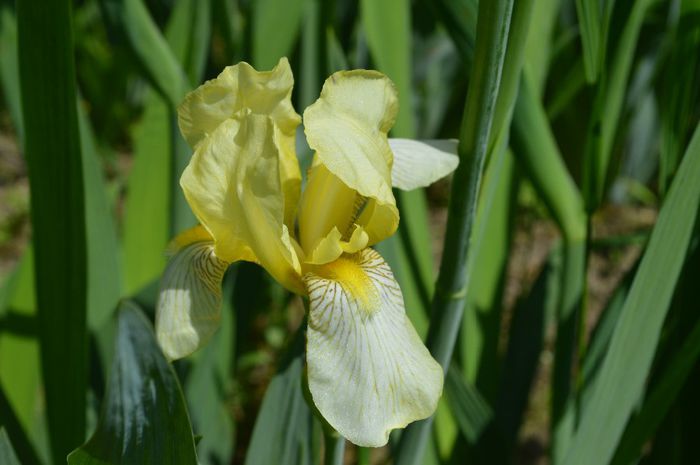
368, 370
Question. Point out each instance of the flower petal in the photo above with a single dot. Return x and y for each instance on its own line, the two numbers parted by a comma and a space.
268, 93
232, 185
347, 127
333, 246
189, 303
368, 370
421, 163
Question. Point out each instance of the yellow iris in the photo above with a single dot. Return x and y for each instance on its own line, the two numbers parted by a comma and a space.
368, 370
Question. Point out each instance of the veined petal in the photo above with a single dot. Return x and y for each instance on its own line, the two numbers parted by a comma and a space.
268, 93
368, 370
189, 304
347, 127
419, 163
232, 185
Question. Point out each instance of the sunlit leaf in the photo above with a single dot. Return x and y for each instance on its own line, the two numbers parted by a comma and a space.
144, 419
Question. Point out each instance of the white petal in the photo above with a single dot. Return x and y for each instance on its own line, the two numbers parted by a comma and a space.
419, 163
189, 303
368, 369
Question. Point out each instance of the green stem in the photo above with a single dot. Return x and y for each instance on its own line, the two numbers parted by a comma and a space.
493, 26
334, 447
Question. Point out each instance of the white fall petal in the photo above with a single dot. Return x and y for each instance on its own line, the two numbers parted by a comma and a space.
189, 304
368, 369
419, 163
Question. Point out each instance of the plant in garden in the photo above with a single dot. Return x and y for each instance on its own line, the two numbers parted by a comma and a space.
368, 370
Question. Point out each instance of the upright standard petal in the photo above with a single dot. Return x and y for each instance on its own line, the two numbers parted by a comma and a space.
241, 87
419, 163
189, 303
232, 185
347, 127
368, 370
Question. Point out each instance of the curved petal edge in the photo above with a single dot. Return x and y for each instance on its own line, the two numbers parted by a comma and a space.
189, 303
368, 369
419, 163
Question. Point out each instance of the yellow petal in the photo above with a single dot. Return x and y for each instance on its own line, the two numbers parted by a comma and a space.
233, 187
326, 203
368, 370
241, 87
419, 163
347, 127
333, 246
189, 302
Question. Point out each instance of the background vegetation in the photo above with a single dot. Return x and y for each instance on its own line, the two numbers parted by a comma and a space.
567, 311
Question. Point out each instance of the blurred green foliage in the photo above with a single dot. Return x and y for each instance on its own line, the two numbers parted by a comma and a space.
581, 117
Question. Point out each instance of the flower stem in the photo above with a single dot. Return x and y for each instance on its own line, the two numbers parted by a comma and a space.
493, 26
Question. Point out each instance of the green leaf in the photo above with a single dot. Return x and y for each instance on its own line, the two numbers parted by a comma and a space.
10, 422
589, 28
627, 363
103, 265
459, 18
144, 418
538, 151
150, 47
147, 208
607, 107
481, 326
188, 34
275, 27
52, 147
286, 431
7, 453
525, 344
470, 409
659, 400
20, 364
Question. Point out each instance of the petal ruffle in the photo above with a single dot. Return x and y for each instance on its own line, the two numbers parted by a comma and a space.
347, 128
368, 370
232, 185
419, 163
189, 304
241, 87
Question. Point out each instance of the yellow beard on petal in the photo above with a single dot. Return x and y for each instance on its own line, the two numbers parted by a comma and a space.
346, 271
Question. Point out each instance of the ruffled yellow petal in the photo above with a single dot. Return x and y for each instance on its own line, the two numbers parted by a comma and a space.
189, 303
347, 127
368, 370
232, 185
268, 93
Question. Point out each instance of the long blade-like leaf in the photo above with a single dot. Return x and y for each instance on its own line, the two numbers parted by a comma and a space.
132, 18
275, 29
626, 365
52, 145
285, 419
589, 28
7, 453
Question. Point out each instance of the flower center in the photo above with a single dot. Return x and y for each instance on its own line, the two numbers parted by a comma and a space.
327, 203
346, 271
